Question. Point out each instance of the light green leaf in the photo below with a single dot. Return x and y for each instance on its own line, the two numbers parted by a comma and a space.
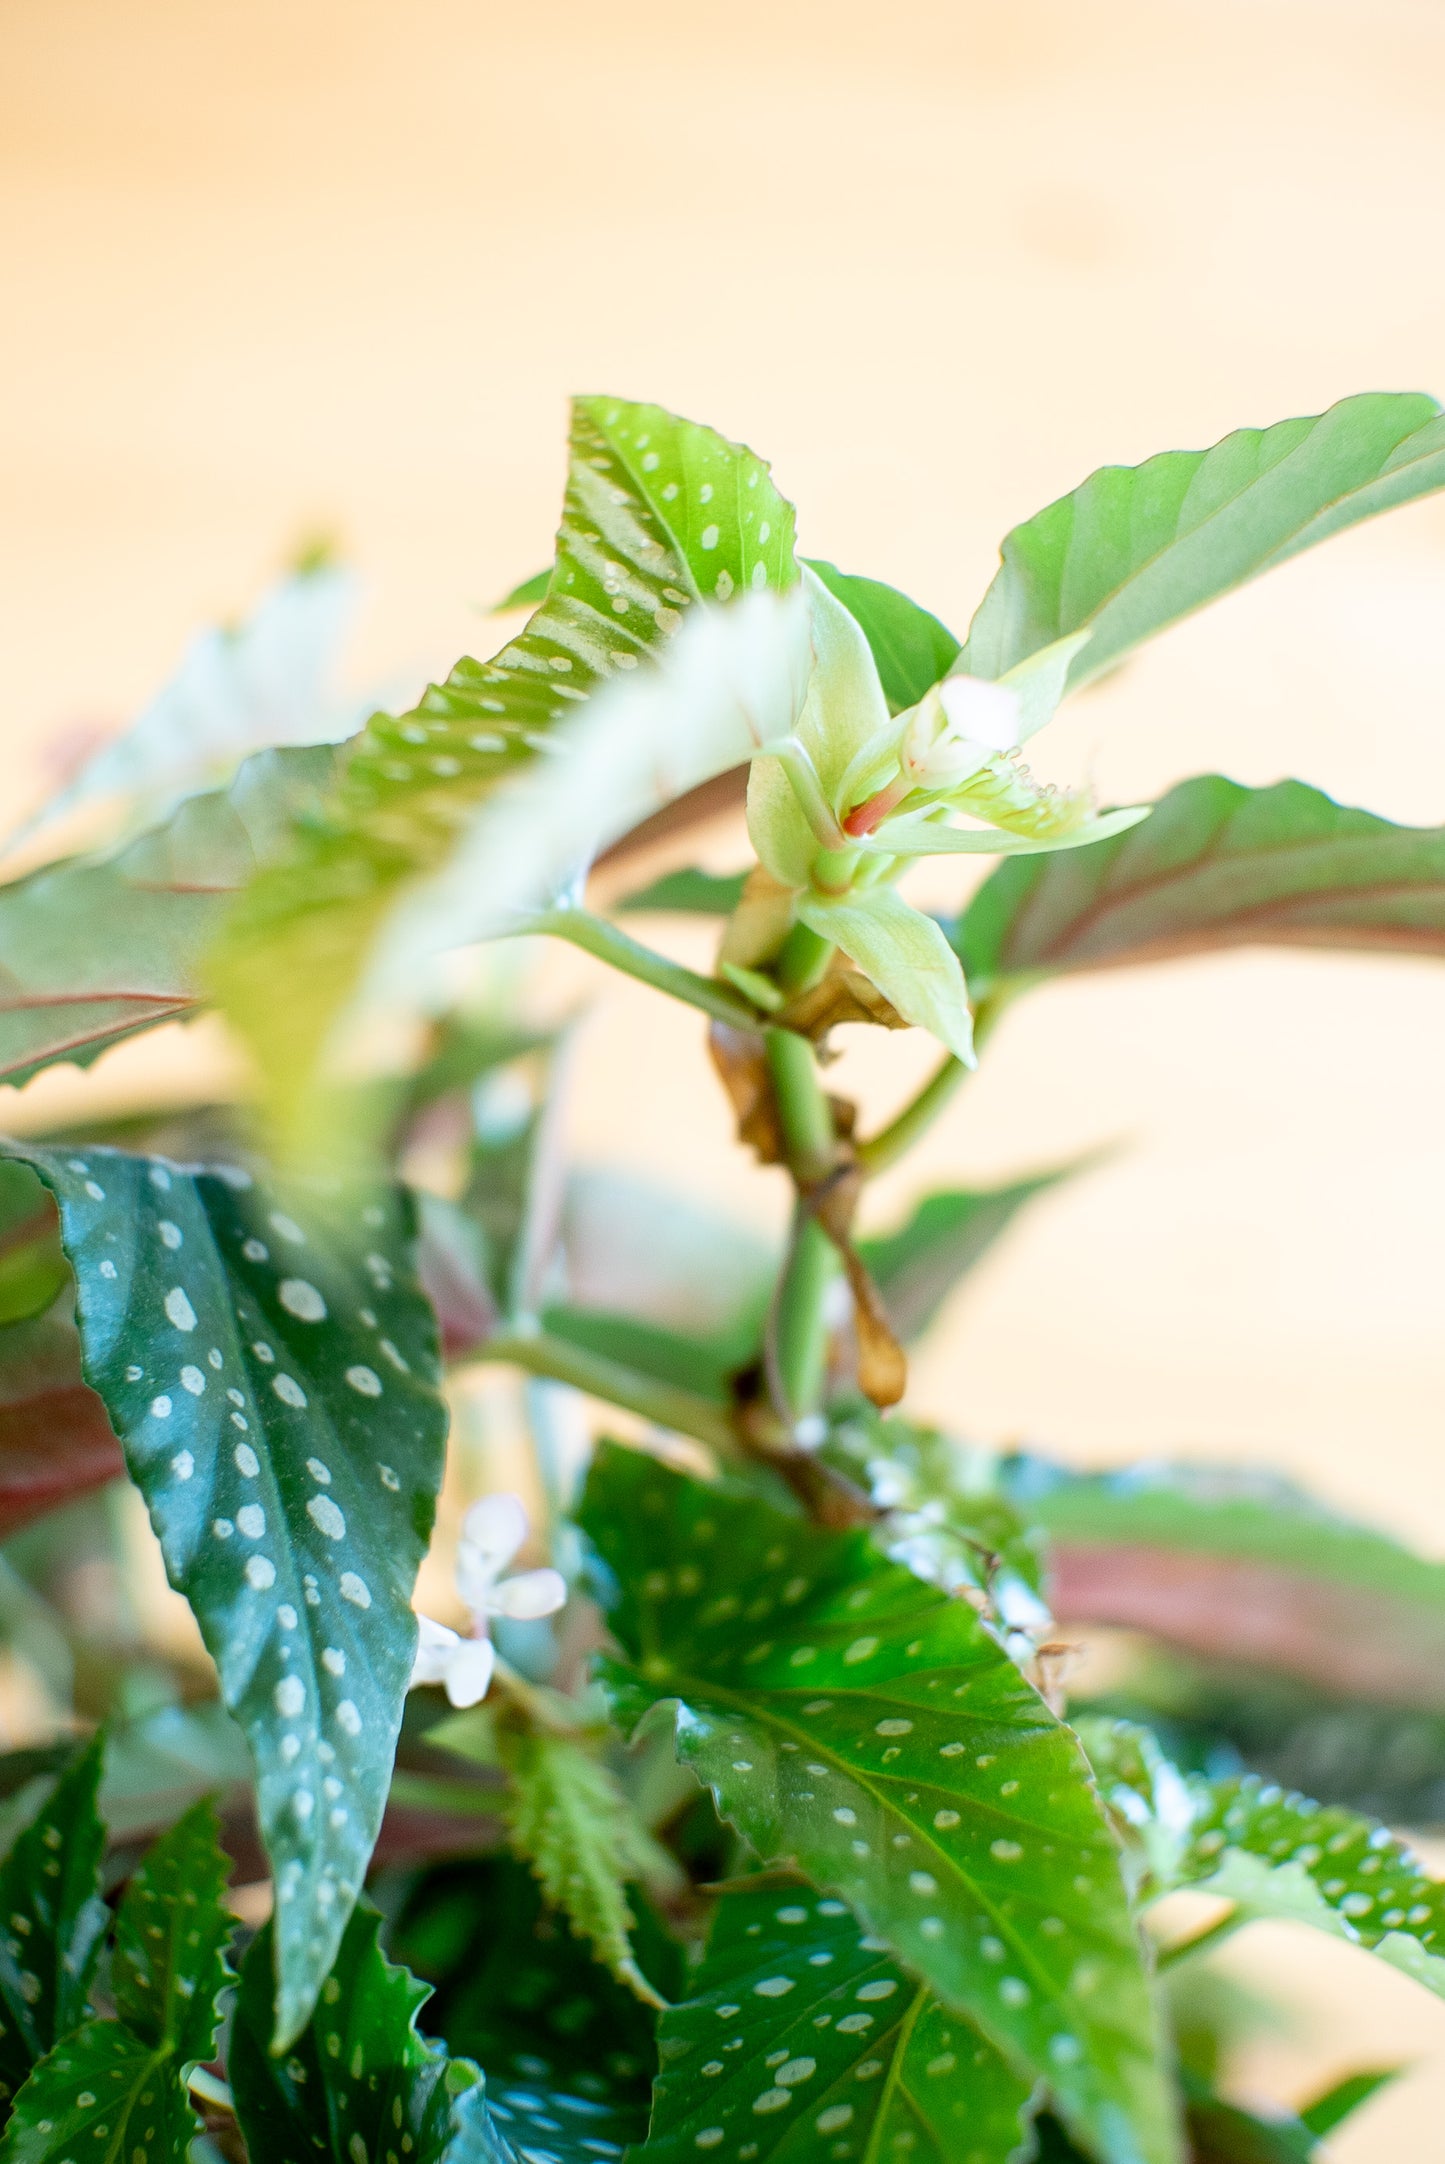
54, 1922
526, 596
1215, 865
917, 1267
1137, 547
849, 1717
911, 649
119, 2087
659, 514
799, 2030
572, 1824
1279, 1854
100, 947
905, 954
358, 2082
270, 1366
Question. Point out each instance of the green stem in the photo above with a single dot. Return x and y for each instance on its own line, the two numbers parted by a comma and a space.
594, 935
890, 1143
803, 1109
799, 1363
798, 1325
664, 1404
899, 1136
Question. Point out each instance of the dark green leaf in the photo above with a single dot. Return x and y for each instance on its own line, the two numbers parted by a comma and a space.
852, 1718
912, 649
98, 948
358, 2082
659, 513
519, 1991
690, 893
171, 1935
506, 2124
122, 2085
271, 1369
1137, 547
1214, 865
1224, 2133
800, 2034
1343, 2098
916, 1267
32, 1267
576, 1829
52, 1921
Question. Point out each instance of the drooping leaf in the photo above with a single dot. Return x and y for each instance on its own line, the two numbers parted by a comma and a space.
52, 1922
98, 948
119, 2087
916, 1267
903, 953
358, 2082
1242, 1567
1137, 547
856, 1720
799, 2032
1281, 1855
519, 1991
690, 893
240, 689
1215, 865
576, 1829
659, 514
270, 1366
913, 649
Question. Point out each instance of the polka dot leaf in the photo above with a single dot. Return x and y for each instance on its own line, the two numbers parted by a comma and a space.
270, 1369
858, 1723
116, 2090
803, 2041
358, 2084
516, 2124
1279, 1854
658, 514
52, 1922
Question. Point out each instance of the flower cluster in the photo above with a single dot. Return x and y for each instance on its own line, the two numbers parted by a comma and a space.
492, 1533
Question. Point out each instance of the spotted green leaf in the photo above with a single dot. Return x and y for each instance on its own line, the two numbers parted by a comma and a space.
659, 513
1137, 547
1215, 865
509, 2123
270, 1368
801, 2040
52, 1922
853, 1719
1279, 1854
116, 2090
572, 1823
912, 649
358, 2082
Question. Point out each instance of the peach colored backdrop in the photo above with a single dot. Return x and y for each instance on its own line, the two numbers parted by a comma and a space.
281, 266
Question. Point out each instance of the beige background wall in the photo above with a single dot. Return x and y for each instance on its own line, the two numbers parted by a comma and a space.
281, 266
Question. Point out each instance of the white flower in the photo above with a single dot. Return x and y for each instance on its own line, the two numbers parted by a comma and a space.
961, 724
492, 1532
